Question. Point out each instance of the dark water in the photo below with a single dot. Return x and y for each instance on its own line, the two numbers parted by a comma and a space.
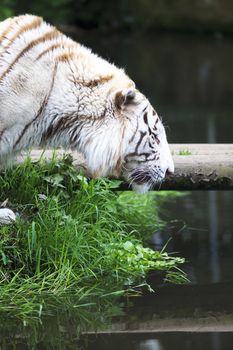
201, 227
189, 81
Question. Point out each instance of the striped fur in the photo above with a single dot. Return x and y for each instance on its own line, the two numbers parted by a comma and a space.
55, 92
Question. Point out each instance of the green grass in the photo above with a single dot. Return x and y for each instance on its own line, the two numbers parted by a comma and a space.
184, 152
75, 244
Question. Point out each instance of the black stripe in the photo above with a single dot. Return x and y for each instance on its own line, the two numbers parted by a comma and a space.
145, 118
133, 154
142, 135
2, 132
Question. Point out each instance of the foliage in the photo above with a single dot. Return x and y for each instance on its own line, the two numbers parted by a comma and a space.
6, 9
184, 152
139, 15
72, 240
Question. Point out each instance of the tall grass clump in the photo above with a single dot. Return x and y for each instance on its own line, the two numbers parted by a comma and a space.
74, 241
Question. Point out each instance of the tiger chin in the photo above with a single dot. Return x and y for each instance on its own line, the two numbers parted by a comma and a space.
55, 92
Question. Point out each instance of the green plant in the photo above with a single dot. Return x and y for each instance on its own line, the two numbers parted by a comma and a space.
74, 240
184, 152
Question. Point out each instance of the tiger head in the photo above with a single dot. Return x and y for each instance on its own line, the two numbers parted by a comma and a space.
147, 157
129, 141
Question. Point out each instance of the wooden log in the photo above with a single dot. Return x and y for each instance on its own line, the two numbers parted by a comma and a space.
197, 167
201, 167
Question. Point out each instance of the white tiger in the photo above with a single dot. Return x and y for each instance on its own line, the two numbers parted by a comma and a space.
55, 92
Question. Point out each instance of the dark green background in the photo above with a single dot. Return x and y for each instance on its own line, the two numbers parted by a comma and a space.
141, 15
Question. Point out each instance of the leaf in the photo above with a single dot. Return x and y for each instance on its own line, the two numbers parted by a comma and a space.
128, 246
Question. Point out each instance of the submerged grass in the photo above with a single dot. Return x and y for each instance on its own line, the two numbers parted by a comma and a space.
74, 241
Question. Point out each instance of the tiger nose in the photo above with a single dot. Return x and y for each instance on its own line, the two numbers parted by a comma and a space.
169, 173
170, 169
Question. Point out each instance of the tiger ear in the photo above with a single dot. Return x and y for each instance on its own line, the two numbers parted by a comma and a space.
124, 98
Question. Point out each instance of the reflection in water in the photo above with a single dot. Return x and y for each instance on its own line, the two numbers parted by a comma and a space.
163, 341
213, 215
150, 344
213, 237
60, 327
216, 341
